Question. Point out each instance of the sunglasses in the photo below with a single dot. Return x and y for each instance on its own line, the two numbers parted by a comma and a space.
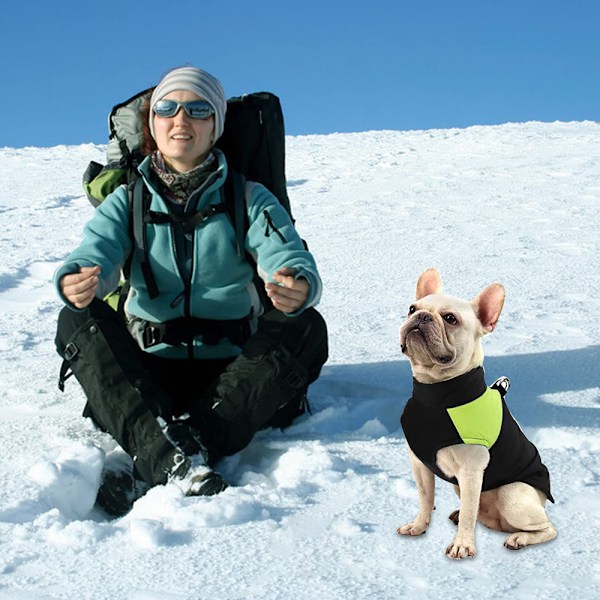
195, 109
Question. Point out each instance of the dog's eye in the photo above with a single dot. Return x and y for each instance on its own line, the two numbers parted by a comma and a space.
412, 309
450, 318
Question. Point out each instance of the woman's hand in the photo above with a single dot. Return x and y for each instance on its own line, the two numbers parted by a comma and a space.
287, 294
80, 288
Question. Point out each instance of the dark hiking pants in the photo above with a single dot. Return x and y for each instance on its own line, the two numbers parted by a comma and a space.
267, 384
228, 401
121, 398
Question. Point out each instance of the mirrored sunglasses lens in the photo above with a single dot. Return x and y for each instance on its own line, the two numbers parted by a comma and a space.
198, 110
166, 108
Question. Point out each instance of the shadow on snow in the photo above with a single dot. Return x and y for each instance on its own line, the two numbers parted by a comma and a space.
386, 386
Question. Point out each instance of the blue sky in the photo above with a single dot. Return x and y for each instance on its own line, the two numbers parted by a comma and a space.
341, 65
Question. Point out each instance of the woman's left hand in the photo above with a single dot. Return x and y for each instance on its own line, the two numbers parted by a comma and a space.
287, 294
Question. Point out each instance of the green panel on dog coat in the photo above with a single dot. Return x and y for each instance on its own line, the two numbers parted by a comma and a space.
479, 421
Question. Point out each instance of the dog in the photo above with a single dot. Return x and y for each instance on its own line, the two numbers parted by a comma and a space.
461, 430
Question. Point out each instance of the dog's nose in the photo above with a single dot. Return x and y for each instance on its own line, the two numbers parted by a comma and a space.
424, 317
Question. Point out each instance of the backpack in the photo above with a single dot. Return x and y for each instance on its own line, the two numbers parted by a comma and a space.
253, 142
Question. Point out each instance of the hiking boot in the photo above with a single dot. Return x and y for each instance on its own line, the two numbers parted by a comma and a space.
194, 477
178, 456
185, 437
209, 484
199, 479
165, 455
118, 491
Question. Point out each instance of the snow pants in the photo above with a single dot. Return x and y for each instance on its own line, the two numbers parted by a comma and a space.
162, 410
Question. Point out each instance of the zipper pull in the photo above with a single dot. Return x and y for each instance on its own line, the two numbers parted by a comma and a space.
271, 227
178, 299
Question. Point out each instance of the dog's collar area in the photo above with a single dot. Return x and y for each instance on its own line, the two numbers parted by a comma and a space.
454, 392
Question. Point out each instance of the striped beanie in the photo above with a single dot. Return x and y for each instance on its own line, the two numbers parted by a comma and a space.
193, 80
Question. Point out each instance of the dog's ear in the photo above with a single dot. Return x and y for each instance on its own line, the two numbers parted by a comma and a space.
430, 282
488, 306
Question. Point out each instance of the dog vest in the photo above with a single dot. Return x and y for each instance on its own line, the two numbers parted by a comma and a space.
464, 410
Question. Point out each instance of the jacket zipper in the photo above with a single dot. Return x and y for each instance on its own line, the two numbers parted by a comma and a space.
186, 295
186, 279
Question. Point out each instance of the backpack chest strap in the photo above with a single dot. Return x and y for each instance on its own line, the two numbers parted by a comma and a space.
188, 221
141, 215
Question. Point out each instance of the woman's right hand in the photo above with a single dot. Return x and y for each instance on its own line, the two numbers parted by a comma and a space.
80, 288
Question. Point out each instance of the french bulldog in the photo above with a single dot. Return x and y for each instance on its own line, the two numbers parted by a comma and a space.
460, 429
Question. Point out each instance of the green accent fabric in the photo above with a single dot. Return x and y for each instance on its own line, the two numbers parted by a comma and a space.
479, 422
112, 299
105, 183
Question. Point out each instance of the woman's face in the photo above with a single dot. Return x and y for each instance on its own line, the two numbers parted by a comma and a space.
183, 142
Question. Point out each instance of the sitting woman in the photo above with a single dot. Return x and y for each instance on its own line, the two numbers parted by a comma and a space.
195, 369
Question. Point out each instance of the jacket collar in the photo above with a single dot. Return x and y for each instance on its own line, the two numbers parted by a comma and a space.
218, 178
454, 392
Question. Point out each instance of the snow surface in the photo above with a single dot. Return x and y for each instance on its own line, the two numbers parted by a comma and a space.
313, 511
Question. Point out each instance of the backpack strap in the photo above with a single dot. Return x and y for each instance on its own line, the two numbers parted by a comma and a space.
187, 222
233, 194
234, 197
183, 331
139, 198
139, 205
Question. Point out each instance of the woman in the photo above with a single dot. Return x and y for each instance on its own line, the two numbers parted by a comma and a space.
217, 371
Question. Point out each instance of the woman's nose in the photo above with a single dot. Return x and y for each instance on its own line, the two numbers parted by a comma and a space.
180, 116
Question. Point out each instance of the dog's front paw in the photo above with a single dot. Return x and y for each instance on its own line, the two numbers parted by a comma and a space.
415, 528
460, 549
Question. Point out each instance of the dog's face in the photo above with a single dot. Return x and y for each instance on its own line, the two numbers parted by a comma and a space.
442, 335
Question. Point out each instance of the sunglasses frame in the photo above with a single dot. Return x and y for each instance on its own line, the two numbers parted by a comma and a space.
186, 107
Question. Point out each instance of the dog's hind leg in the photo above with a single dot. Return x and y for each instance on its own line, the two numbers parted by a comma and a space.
543, 532
454, 516
523, 515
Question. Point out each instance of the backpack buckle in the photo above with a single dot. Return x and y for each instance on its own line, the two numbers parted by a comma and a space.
294, 379
151, 336
71, 351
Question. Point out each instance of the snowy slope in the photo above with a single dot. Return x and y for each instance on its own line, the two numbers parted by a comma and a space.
314, 509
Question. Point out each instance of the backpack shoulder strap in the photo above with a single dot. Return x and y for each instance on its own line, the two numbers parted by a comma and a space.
139, 202
235, 190
234, 199
140, 215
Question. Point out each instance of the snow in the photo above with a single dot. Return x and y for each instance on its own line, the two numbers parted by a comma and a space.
313, 510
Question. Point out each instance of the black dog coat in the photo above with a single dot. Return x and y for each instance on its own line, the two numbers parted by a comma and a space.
464, 410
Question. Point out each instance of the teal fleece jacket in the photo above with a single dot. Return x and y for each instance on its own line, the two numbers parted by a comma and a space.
220, 281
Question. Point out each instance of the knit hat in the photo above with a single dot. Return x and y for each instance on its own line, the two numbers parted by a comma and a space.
193, 80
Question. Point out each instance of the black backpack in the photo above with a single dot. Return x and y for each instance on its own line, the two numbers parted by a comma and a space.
253, 142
